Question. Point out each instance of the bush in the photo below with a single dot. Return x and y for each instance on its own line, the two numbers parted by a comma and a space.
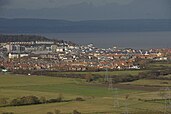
54, 100
7, 113
60, 96
43, 100
79, 99
4, 101
57, 111
124, 78
26, 100
76, 112
29, 100
59, 99
49, 113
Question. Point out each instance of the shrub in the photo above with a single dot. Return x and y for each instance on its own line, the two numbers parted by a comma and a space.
54, 100
57, 111
49, 113
4, 101
7, 113
43, 100
76, 112
79, 99
26, 100
59, 99
60, 96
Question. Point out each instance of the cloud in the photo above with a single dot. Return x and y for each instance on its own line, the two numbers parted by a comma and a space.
37, 4
4, 2
74, 10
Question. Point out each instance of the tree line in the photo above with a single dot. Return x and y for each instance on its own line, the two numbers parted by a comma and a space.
33, 100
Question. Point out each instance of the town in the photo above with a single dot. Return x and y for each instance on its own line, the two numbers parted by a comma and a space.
53, 55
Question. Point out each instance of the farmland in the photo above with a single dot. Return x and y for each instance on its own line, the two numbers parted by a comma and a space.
131, 72
151, 82
98, 98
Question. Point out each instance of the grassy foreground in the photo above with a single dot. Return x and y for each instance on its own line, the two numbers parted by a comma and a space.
102, 73
98, 99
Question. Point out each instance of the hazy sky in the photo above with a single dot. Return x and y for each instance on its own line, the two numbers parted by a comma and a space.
86, 9
36, 4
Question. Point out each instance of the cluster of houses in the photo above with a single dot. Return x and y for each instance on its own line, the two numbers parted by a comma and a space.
63, 56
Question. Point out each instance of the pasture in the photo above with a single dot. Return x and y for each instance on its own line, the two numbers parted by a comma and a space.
151, 82
102, 73
98, 99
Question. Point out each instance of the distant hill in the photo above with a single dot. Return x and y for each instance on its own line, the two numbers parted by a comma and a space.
21, 38
63, 26
4, 38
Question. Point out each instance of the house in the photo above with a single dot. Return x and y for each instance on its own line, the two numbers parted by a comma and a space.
17, 55
4, 70
134, 67
44, 42
161, 59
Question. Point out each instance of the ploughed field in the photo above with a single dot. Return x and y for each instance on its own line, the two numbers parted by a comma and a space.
96, 99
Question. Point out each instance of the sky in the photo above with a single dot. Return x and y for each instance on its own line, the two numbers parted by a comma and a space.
86, 9
37, 4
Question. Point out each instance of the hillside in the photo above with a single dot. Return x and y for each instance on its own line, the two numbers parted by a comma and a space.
21, 38
63, 26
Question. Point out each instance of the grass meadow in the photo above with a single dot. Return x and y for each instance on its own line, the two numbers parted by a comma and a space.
98, 99
102, 73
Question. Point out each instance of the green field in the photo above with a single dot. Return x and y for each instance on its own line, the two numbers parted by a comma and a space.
159, 65
98, 99
102, 73
151, 82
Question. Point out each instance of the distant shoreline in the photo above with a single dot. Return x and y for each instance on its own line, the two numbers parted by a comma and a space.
135, 40
27, 25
